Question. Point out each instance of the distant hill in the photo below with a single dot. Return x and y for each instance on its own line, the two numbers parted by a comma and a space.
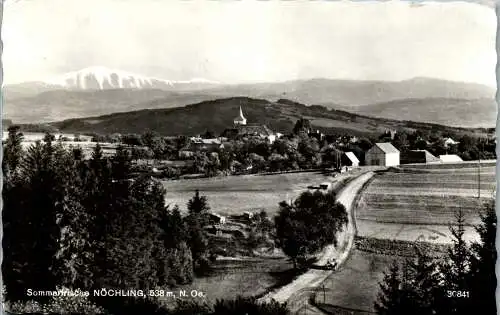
412, 99
63, 104
446, 111
218, 114
351, 93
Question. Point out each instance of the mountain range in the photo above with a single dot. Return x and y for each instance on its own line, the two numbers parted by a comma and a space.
217, 115
98, 91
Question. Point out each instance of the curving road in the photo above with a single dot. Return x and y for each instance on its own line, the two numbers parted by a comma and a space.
298, 292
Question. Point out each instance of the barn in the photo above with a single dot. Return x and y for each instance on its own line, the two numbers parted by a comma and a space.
349, 159
382, 154
450, 158
418, 156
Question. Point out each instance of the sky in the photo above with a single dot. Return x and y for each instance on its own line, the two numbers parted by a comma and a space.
250, 41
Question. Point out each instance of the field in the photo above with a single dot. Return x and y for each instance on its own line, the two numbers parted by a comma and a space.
420, 202
354, 287
236, 194
247, 276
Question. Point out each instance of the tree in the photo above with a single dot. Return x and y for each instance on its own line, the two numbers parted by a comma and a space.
302, 125
12, 151
308, 224
401, 141
389, 301
213, 165
332, 157
277, 162
422, 285
309, 149
209, 134
33, 204
256, 162
483, 281
457, 264
196, 221
200, 162
413, 290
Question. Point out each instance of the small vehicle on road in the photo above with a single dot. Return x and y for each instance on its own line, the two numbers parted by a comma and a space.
331, 264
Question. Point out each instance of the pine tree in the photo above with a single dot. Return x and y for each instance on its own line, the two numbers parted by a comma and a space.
196, 221
33, 207
389, 296
455, 270
12, 152
483, 280
422, 284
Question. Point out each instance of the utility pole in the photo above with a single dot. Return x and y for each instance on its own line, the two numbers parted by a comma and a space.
479, 172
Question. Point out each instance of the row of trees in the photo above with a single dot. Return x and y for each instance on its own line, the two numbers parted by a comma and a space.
83, 224
463, 282
468, 147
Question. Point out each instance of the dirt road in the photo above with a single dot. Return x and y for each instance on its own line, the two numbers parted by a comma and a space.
297, 293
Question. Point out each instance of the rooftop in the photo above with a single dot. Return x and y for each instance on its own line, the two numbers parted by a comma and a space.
387, 147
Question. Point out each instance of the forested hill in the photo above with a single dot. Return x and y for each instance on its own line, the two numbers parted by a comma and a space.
217, 115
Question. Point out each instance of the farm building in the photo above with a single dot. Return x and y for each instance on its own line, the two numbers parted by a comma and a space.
382, 154
349, 159
450, 158
217, 218
203, 145
418, 156
449, 142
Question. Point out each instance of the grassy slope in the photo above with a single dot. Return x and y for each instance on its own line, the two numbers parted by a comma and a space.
218, 114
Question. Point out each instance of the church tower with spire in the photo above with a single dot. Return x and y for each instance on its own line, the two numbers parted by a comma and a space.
240, 120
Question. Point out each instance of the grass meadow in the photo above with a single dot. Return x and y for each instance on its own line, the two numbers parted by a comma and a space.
237, 194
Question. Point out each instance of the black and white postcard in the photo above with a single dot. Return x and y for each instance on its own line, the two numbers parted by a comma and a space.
249, 157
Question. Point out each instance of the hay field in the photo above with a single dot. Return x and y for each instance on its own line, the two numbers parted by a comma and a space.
421, 203
236, 194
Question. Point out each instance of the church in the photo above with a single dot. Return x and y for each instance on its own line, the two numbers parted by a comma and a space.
242, 129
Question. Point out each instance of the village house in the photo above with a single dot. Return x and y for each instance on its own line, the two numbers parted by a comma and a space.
350, 159
449, 142
200, 145
217, 218
382, 154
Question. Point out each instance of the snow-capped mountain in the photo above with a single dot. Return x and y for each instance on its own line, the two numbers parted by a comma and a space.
101, 78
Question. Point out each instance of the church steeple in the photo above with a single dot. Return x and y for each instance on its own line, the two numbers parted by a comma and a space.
240, 120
